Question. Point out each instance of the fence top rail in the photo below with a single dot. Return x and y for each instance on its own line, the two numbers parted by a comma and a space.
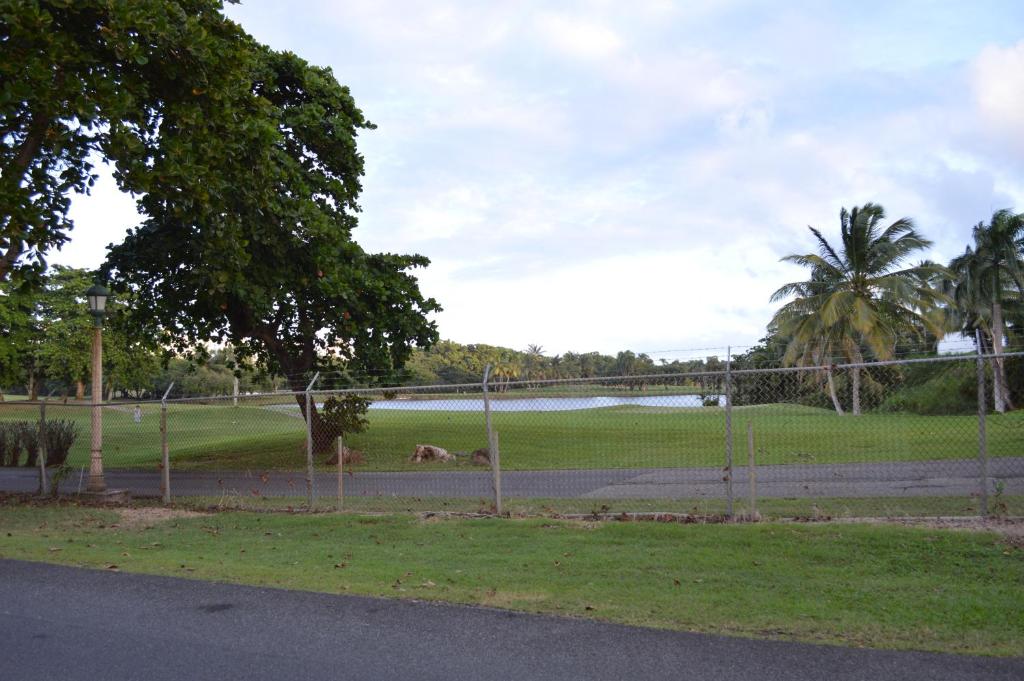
528, 384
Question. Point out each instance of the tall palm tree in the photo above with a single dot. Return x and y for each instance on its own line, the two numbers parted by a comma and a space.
859, 297
985, 281
533, 365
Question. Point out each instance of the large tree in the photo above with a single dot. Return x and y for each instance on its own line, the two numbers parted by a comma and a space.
264, 259
88, 80
987, 280
860, 296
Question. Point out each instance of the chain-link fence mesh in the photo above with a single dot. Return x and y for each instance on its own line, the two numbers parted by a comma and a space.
887, 438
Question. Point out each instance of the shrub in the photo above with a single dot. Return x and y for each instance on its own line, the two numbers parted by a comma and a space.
60, 436
28, 433
10, 443
936, 390
340, 416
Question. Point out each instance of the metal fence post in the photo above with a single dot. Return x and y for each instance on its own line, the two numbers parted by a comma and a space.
982, 435
487, 405
41, 455
165, 452
309, 441
495, 457
728, 433
492, 444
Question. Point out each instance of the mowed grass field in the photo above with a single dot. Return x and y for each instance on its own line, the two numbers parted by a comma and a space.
220, 436
858, 585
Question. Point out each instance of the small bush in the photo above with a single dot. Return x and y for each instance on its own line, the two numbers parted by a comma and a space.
60, 436
10, 443
23, 436
339, 416
951, 390
28, 432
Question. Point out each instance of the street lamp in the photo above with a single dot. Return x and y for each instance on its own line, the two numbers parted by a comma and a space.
97, 296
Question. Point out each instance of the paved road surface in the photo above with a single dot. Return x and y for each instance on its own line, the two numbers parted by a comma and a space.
72, 624
902, 479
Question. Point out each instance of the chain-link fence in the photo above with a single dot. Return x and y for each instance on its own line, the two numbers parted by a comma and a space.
908, 437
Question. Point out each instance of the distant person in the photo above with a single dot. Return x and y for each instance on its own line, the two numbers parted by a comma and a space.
138, 413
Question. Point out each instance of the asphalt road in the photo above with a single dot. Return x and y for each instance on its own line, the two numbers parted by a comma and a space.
73, 624
895, 479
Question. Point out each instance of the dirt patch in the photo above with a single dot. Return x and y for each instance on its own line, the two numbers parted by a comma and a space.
147, 516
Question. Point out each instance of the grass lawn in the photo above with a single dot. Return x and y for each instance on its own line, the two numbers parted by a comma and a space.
881, 586
257, 437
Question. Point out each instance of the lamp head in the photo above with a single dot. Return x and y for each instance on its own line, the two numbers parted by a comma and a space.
97, 296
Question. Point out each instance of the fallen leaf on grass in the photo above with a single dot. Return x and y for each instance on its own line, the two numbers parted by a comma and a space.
111, 567
55, 548
341, 565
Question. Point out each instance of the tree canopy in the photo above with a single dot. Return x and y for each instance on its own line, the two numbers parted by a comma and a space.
860, 297
88, 80
272, 268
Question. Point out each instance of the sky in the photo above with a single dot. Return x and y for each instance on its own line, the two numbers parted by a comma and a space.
608, 175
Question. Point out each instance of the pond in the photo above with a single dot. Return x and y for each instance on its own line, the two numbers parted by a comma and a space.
542, 403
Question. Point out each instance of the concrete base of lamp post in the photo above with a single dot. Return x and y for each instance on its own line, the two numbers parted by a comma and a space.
107, 496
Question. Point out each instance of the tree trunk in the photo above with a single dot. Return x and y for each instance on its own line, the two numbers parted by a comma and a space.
323, 436
33, 387
855, 384
832, 391
27, 152
1000, 394
110, 392
80, 390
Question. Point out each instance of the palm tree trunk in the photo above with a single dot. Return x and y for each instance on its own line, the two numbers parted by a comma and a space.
832, 391
1000, 395
855, 381
856, 358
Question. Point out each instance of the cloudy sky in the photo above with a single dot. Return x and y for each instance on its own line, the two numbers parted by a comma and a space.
610, 175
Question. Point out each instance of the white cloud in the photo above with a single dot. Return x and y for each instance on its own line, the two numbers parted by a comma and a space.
578, 37
673, 299
998, 81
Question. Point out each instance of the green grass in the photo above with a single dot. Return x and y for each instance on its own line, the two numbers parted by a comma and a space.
255, 437
889, 587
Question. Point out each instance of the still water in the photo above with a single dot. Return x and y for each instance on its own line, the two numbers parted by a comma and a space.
542, 403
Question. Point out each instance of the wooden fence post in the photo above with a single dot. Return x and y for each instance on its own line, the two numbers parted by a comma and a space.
752, 472
728, 433
982, 435
44, 487
341, 473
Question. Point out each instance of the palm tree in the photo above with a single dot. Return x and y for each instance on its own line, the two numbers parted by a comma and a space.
534, 362
859, 296
985, 281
